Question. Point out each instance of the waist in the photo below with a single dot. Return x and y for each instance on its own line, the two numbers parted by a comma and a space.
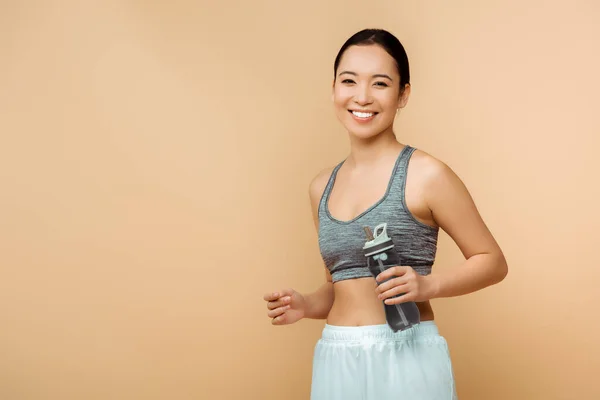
347, 271
377, 332
356, 304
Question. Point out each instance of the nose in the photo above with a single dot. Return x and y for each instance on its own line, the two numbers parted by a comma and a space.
362, 96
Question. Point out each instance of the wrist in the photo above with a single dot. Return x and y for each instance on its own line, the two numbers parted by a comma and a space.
306, 305
434, 286
316, 305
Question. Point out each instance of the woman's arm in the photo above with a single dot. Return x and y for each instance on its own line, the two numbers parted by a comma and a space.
454, 210
288, 306
318, 303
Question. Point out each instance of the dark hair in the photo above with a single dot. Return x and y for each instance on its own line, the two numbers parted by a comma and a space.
387, 41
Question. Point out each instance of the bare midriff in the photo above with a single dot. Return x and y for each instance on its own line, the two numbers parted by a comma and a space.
356, 304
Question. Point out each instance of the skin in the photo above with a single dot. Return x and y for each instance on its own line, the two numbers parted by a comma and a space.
367, 79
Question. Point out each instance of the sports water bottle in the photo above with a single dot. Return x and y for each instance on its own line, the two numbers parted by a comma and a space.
379, 250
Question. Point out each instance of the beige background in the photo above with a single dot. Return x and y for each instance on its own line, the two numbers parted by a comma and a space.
154, 168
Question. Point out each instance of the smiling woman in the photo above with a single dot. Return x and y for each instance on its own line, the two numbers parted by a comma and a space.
371, 86
362, 354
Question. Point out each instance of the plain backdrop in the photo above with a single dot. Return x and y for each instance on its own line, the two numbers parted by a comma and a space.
154, 167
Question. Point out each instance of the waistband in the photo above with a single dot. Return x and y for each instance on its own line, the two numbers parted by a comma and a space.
383, 331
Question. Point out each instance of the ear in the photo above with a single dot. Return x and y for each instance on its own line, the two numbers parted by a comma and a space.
333, 90
403, 99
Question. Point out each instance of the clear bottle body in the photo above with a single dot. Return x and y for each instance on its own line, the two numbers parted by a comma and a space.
381, 256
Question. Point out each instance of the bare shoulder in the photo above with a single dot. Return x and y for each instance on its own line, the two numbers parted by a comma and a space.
433, 174
316, 188
318, 184
427, 166
453, 208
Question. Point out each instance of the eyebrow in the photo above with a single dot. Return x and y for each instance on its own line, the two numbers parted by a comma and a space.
374, 76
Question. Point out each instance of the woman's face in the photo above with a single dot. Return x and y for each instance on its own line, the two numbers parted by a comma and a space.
366, 91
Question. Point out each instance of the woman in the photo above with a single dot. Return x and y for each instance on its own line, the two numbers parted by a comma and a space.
384, 181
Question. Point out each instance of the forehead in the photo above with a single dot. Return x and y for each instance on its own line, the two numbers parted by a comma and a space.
371, 59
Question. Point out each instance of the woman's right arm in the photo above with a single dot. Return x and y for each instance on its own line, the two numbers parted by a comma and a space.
288, 306
319, 302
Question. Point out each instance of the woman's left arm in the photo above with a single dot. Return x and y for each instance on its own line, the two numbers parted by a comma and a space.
454, 210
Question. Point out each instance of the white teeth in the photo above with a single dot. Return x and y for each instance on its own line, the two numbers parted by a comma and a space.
362, 115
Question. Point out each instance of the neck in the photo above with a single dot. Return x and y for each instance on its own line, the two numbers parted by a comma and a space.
365, 152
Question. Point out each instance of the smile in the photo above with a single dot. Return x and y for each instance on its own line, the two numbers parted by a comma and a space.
362, 116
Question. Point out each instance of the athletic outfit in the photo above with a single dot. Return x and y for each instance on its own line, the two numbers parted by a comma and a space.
373, 362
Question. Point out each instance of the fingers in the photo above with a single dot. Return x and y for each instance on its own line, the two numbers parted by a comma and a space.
277, 312
275, 295
271, 296
400, 299
395, 291
392, 272
278, 303
280, 320
283, 301
390, 284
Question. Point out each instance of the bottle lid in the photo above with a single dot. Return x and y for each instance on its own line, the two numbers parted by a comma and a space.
380, 241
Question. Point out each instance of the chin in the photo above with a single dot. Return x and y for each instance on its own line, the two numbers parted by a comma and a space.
364, 132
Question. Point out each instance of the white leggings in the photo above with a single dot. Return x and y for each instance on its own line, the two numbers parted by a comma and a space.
374, 363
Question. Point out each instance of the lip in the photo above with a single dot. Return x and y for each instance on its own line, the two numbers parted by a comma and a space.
363, 120
363, 111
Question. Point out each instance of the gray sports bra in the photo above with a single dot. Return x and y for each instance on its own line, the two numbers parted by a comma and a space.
341, 242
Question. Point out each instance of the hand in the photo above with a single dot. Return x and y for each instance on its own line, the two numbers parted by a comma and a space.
405, 281
285, 307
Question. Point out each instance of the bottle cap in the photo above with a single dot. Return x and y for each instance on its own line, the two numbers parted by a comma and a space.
379, 242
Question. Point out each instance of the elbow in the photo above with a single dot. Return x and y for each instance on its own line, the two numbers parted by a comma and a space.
501, 269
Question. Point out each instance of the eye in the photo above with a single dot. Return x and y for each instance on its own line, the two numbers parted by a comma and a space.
382, 84
347, 81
